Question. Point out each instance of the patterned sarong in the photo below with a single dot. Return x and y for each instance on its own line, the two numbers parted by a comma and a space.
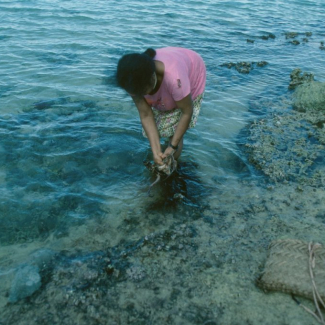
167, 121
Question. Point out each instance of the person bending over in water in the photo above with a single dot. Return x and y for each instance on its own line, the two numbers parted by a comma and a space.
167, 87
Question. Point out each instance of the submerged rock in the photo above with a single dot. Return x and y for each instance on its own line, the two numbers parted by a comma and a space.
48, 103
244, 67
263, 37
297, 78
295, 42
28, 275
291, 35
310, 96
25, 283
42, 256
288, 145
285, 148
266, 37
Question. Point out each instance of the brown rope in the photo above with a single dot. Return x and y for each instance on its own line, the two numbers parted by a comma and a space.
317, 298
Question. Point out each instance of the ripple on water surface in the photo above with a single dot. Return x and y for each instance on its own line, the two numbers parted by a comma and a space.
71, 151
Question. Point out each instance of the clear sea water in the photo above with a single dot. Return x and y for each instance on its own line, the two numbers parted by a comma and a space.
71, 144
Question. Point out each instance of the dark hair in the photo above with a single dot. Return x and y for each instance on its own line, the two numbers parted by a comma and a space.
135, 70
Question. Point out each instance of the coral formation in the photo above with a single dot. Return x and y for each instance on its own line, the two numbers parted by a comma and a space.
289, 145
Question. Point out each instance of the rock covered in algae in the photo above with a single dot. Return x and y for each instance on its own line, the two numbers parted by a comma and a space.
309, 99
310, 96
285, 148
291, 35
127, 281
244, 67
288, 145
298, 78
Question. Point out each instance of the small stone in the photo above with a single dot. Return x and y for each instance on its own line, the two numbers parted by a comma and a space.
25, 283
261, 64
178, 196
110, 269
299, 188
291, 35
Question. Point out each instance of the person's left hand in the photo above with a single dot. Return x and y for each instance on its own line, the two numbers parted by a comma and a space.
169, 151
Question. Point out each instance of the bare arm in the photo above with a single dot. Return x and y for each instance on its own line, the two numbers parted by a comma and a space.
150, 127
186, 107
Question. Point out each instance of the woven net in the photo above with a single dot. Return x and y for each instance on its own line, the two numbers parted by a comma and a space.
287, 269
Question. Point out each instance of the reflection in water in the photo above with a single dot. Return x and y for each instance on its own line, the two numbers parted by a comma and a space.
184, 185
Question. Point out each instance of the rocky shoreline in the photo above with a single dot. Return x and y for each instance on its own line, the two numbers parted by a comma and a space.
289, 144
203, 270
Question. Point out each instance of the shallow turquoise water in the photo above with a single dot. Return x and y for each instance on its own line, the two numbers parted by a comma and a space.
69, 135
71, 144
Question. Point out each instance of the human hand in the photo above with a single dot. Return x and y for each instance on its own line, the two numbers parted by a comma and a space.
169, 151
158, 158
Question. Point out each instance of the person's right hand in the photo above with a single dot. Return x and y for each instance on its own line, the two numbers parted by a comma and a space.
158, 159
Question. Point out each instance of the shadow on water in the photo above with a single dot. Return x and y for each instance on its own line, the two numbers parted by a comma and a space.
183, 187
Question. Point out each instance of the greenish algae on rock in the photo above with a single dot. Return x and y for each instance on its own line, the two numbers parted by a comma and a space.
289, 144
310, 96
298, 78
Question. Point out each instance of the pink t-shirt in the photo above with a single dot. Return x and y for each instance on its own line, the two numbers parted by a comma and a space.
185, 73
